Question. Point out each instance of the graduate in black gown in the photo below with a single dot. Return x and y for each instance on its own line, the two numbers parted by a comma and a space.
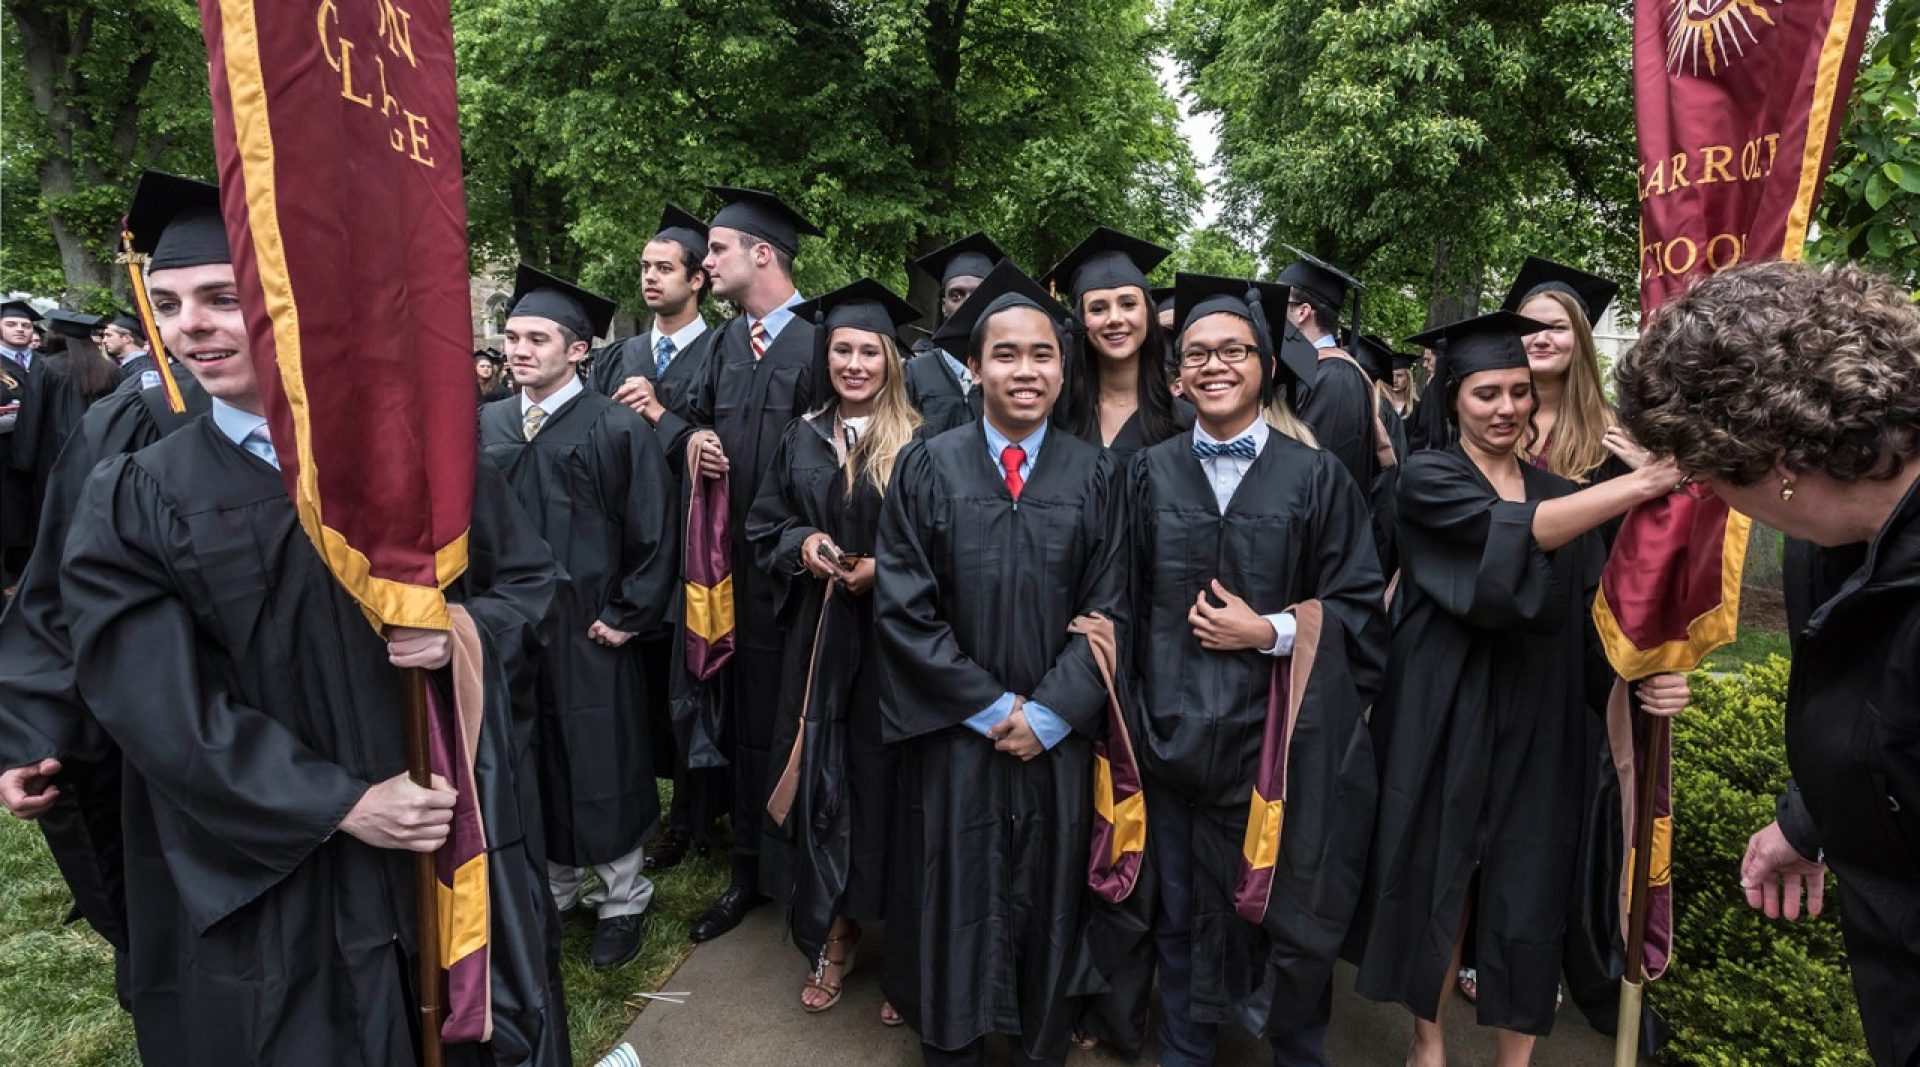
1334, 395
1116, 393
938, 381
270, 826
653, 373
815, 521
1495, 666
1234, 524
760, 376
994, 537
594, 481
70, 375
17, 319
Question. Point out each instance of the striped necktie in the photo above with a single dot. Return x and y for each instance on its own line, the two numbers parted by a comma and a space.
1239, 448
531, 421
758, 335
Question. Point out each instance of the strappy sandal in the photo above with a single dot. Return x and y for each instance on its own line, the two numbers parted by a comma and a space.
890, 1016
1084, 1042
818, 979
1469, 979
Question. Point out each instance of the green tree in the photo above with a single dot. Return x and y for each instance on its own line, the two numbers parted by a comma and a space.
1870, 211
102, 90
895, 125
1427, 145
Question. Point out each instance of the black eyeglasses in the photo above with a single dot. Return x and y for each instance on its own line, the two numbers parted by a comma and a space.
1229, 355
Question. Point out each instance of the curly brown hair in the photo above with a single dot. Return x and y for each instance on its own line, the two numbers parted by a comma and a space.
1775, 362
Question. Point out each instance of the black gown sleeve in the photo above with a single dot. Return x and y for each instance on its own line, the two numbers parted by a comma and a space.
1347, 579
1796, 823
1073, 687
241, 801
934, 684
511, 573
636, 484
777, 524
1470, 551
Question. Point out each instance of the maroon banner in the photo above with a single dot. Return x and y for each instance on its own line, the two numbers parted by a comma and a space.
707, 568
337, 134
1117, 847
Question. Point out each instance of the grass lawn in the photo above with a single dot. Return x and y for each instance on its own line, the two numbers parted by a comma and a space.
1752, 646
56, 982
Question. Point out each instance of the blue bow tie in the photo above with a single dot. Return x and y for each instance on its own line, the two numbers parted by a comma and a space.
1239, 448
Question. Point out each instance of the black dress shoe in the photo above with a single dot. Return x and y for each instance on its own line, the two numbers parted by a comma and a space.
616, 941
726, 913
667, 850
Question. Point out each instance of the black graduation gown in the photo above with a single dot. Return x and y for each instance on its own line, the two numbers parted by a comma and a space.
632, 357
16, 486
132, 369
1295, 530
253, 706
596, 486
1853, 743
48, 417
41, 715
1338, 405
835, 862
986, 906
939, 397
1493, 668
1133, 436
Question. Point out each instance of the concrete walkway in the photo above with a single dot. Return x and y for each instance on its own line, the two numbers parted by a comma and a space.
743, 1010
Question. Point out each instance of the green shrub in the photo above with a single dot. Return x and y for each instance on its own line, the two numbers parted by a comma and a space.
1743, 990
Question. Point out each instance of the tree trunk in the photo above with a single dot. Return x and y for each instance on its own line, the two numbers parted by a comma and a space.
1763, 558
1455, 287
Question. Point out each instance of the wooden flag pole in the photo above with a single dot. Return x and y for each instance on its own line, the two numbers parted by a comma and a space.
1626, 1040
426, 880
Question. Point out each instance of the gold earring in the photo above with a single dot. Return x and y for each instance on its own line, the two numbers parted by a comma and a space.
1786, 490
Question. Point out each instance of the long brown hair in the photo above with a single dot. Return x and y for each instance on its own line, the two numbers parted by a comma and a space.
892, 425
1574, 451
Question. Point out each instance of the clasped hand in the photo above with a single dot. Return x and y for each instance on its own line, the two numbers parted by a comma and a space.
1014, 736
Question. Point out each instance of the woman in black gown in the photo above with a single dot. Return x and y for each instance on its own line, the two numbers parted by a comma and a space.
1116, 392
815, 518
1493, 668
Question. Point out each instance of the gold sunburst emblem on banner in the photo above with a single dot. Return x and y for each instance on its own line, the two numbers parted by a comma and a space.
1713, 33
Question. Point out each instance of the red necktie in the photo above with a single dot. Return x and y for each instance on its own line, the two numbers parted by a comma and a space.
758, 335
1011, 457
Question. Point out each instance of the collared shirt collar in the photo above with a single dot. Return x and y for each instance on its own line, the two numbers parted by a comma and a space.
1031, 444
777, 319
959, 369
235, 425
685, 336
24, 357
555, 402
1259, 431
1327, 340
132, 354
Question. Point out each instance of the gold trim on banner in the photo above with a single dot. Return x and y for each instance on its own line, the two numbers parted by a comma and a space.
1833, 54
1711, 630
387, 602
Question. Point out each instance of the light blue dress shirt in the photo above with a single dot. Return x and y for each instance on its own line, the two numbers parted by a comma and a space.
246, 430
1047, 726
1224, 474
777, 319
1327, 340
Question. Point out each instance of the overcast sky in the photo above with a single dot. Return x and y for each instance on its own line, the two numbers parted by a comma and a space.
1200, 135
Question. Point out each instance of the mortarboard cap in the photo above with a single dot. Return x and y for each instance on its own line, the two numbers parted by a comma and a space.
972, 256
1327, 283
537, 293
1537, 276
176, 222
1374, 355
864, 305
75, 324
18, 309
128, 322
1004, 286
683, 228
1107, 259
1162, 297
1494, 341
763, 215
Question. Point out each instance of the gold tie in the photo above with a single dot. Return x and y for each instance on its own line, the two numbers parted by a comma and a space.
530, 424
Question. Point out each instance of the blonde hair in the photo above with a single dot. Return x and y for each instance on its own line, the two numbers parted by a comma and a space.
1574, 450
892, 425
1280, 416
